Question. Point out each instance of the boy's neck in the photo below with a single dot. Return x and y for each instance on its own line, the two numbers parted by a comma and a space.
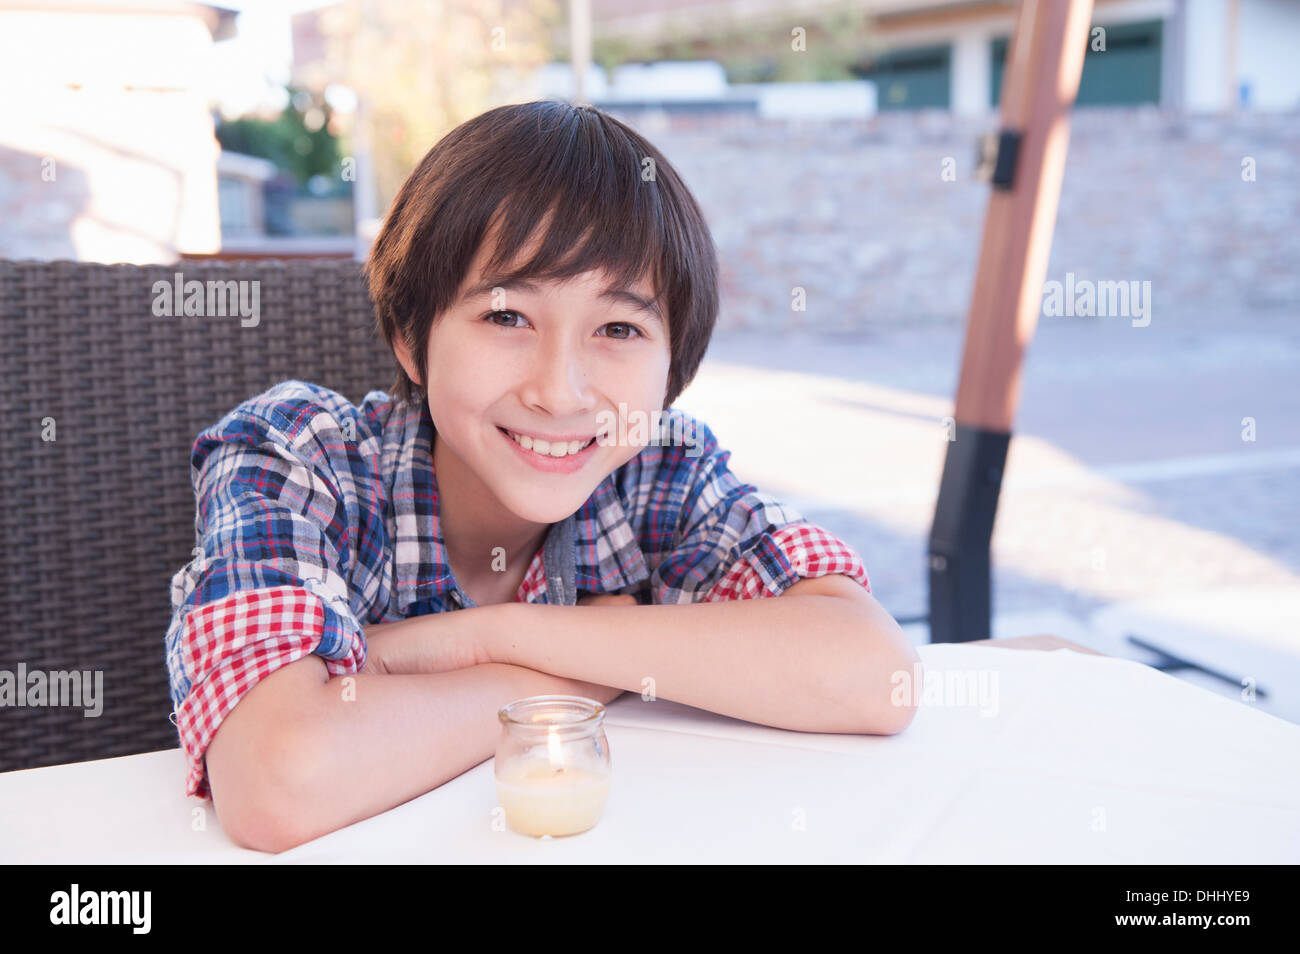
473, 523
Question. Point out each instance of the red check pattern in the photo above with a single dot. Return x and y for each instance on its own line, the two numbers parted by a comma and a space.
809, 550
235, 643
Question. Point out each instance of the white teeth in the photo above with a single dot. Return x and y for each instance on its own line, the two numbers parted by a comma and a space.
544, 447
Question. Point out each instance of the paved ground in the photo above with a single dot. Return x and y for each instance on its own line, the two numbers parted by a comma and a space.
1128, 477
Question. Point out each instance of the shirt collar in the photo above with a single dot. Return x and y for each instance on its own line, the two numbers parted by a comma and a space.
607, 555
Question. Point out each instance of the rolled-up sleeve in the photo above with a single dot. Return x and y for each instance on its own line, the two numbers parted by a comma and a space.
268, 584
782, 558
734, 541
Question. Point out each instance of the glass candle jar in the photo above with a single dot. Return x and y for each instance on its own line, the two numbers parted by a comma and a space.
552, 764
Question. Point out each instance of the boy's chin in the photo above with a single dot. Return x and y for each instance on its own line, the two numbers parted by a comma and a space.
554, 508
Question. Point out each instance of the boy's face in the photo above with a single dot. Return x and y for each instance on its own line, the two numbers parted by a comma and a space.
556, 360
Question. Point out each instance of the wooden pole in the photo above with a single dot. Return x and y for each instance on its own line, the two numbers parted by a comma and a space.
1044, 64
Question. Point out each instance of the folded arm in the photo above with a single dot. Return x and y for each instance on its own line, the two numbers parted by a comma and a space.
303, 754
819, 658
822, 657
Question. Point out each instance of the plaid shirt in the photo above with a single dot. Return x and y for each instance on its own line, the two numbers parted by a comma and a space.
316, 517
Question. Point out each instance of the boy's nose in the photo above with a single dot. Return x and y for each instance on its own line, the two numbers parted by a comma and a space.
560, 381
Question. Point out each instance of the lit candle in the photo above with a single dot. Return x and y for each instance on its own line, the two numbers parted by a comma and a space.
560, 789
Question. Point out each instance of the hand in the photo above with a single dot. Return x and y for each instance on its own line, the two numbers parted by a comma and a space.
435, 642
607, 599
374, 663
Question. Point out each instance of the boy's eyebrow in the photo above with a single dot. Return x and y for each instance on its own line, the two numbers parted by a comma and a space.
651, 308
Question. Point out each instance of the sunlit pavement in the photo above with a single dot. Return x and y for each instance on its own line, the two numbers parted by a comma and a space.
1129, 491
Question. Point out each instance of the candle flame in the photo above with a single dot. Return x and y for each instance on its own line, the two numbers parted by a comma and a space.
553, 749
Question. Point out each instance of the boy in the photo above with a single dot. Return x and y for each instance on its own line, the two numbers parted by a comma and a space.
374, 583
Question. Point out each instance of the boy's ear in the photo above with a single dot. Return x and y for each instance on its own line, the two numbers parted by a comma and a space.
403, 354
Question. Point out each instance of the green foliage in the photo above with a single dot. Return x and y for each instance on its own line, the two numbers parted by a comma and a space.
288, 140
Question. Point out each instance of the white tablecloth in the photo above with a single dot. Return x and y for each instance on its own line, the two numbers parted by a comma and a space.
1082, 759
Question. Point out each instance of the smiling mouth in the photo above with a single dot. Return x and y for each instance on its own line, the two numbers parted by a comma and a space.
545, 448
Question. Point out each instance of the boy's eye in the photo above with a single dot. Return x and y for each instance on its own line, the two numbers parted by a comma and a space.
625, 336
630, 328
492, 314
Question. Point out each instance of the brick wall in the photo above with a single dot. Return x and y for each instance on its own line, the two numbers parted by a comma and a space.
859, 214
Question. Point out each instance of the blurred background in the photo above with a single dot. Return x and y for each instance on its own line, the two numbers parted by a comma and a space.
1153, 486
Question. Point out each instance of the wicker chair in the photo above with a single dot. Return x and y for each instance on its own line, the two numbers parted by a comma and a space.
97, 520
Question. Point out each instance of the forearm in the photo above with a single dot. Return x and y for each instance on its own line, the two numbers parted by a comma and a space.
810, 662
391, 738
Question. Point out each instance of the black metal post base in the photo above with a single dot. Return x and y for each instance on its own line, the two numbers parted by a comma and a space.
960, 580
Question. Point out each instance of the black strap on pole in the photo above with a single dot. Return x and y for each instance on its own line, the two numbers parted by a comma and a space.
960, 564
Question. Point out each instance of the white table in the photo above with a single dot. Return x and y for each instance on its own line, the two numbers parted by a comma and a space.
1086, 759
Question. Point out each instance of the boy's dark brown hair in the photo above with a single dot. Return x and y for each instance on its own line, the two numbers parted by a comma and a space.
518, 164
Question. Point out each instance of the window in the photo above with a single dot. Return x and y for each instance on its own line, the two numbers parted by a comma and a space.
1127, 71
915, 78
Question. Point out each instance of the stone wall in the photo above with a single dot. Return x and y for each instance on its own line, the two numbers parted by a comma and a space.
859, 214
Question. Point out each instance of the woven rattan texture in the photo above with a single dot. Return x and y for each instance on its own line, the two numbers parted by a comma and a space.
97, 520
